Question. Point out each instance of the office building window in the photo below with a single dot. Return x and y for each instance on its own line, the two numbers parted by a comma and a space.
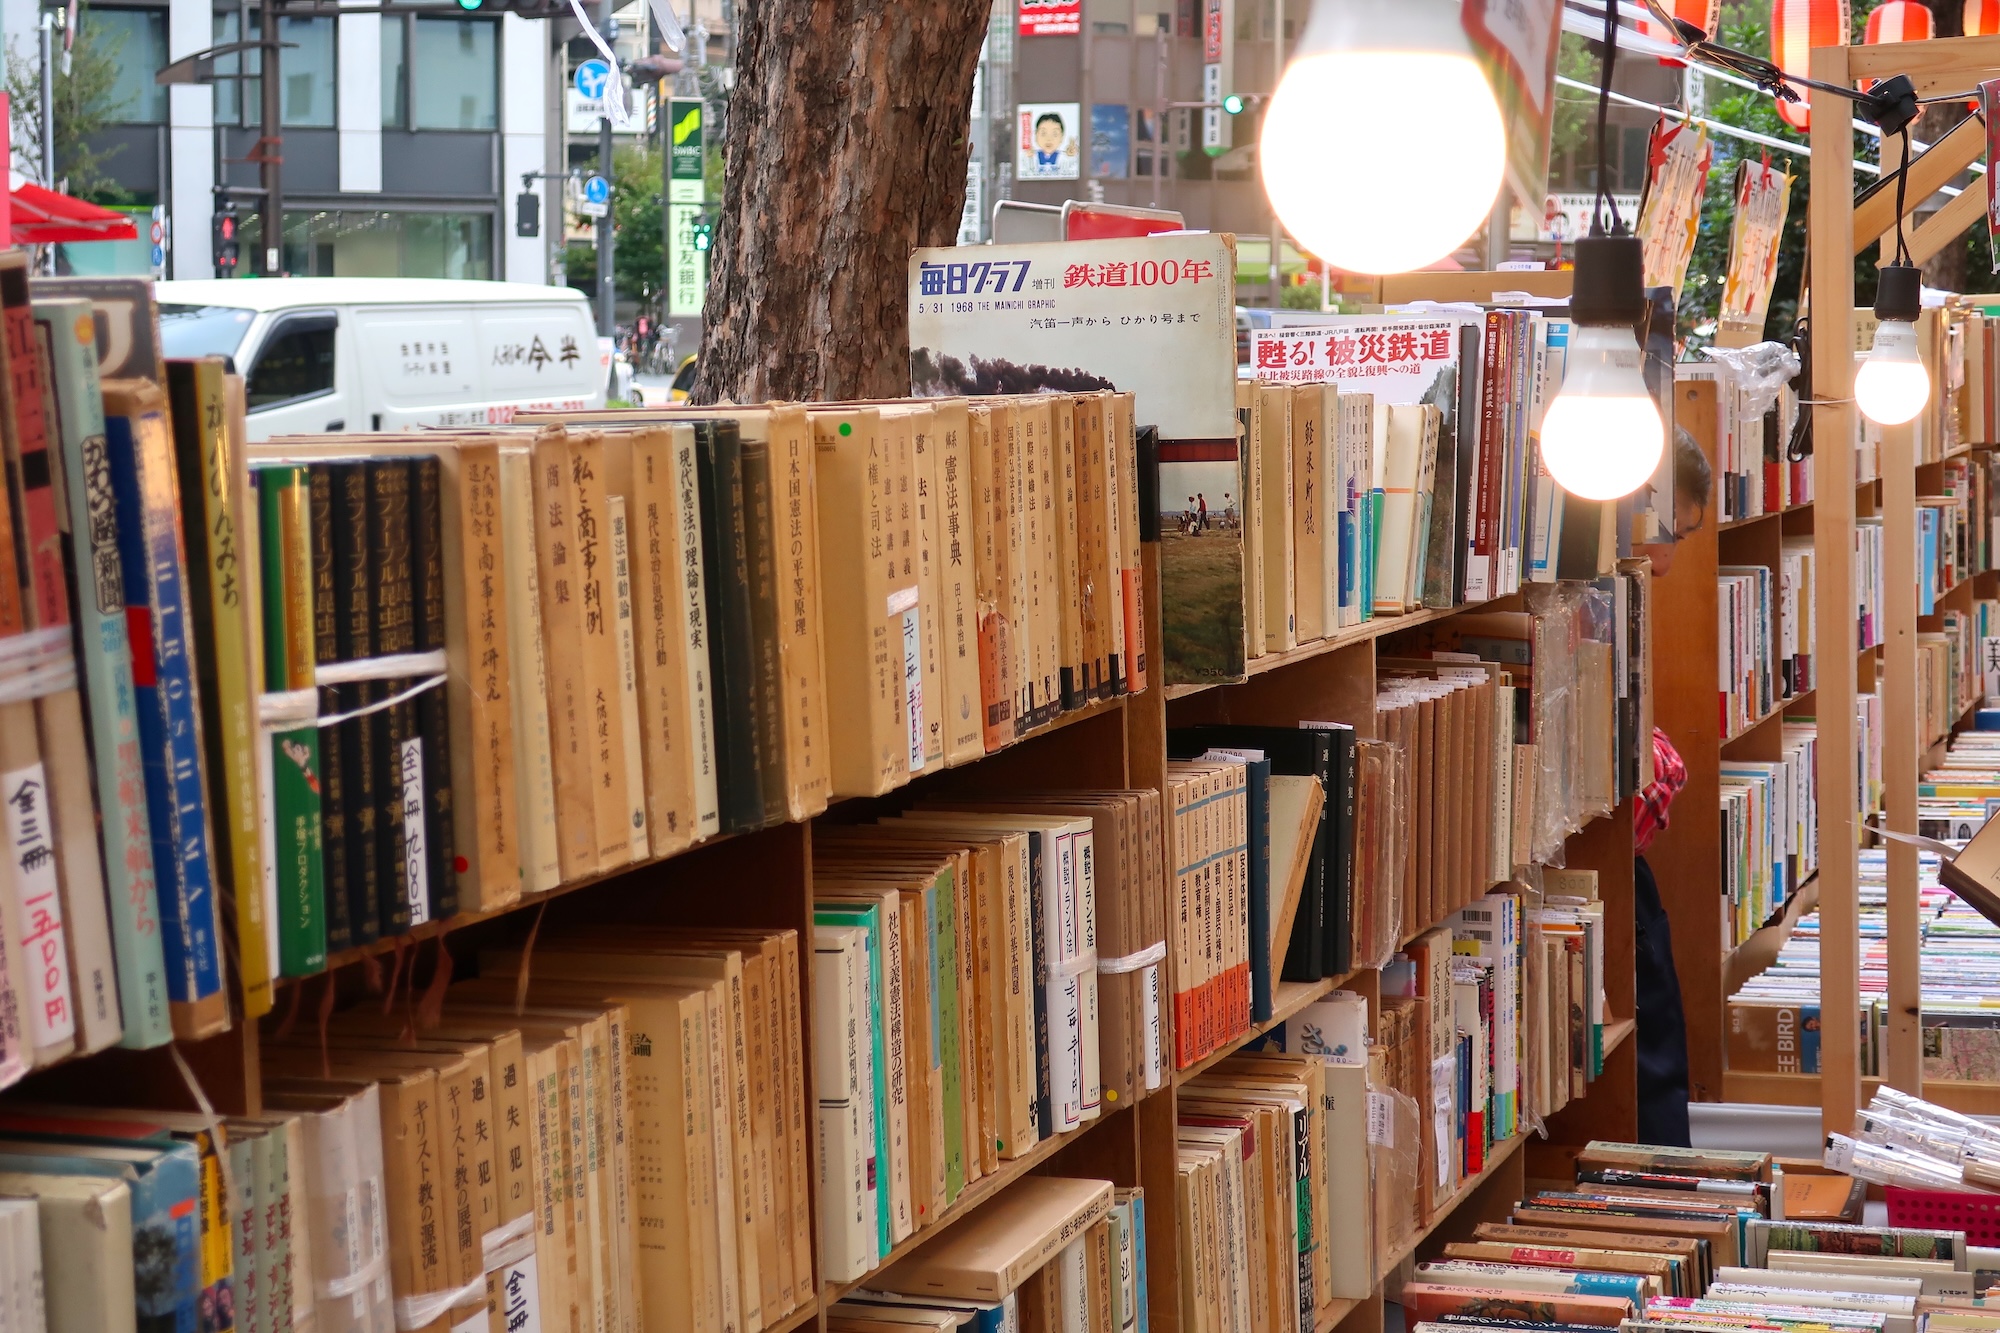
135, 40
395, 73
307, 73
460, 88
355, 243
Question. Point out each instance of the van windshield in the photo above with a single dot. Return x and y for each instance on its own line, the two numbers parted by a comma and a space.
203, 330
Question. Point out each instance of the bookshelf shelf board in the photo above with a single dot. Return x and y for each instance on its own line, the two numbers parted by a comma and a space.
1287, 998
1496, 1157
1735, 524
1330, 1317
1094, 708
968, 1202
1353, 634
1616, 1033
804, 1314
1777, 710
1804, 1090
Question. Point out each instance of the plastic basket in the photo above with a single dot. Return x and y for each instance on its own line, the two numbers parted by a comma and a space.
1977, 1215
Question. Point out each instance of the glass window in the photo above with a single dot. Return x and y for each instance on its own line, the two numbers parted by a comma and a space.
203, 330
307, 101
460, 87
228, 92
380, 244
135, 40
395, 73
297, 362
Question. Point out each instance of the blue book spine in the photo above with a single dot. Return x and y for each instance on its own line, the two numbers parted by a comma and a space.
1257, 786
870, 920
154, 569
1611, 1284
1344, 528
1371, 523
1139, 1249
106, 655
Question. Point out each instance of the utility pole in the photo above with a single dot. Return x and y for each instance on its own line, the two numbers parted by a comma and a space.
607, 288
270, 146
48, 98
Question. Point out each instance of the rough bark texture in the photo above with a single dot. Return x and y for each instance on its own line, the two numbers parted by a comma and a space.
846, 146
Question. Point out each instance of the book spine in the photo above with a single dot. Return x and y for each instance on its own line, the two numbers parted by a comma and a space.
334, 814
1479, 523
155, 567
794, 534
440, 792
660, 643
296, 863
725, 554
996, 678
700, 630
628, 677
485, 821
399, 867
603, 734
106, 658
355, 739
534, 776
768, 691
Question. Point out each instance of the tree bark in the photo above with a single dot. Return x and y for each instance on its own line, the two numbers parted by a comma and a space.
846, 148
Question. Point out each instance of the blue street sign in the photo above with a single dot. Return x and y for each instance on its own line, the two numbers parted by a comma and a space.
596, 190
591, 76
159, 256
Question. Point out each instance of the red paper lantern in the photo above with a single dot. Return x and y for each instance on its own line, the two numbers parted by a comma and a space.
1899, 21
1982, 18
1796, 27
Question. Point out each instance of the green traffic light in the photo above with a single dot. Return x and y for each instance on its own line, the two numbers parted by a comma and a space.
703, 232
469, 4
1233, 103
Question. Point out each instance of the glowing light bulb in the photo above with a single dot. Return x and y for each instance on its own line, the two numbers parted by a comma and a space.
1892, 385
1602, 436
1383, 147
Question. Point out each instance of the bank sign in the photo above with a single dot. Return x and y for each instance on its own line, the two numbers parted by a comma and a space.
687, 267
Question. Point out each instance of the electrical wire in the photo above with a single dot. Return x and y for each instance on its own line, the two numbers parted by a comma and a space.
1604, 199
1902, 180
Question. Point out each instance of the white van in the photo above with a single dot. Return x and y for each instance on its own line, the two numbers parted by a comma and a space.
361, 354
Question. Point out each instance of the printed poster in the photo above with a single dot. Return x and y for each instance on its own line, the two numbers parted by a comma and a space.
1046, 143
1153, 316
1763, 197
1051, 18
1676, 174
1110, 141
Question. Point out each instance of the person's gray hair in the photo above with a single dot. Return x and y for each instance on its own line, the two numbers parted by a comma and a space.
1693, 478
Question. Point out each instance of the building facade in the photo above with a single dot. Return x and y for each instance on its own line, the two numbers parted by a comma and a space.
406, 136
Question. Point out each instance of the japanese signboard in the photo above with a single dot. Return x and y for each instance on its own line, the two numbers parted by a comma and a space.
684, 176
1051, 18
1677, 159
1393, 358
1516, 44
1045, 146
687, 267
1218, 52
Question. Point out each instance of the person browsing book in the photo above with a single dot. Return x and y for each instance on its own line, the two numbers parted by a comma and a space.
1662, 1026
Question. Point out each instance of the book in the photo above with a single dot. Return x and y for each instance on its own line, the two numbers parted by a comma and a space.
989, 1255
154, 572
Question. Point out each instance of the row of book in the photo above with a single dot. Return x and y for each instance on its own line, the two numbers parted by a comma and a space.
1770, 831
1747, 658
1386, 464
1652, 1238
1949, 678
988, 976
1755, 473
1955, 528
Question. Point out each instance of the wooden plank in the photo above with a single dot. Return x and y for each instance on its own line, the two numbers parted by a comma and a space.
1949, 223
1903, 1065
1961, 146
1942, 65
1831, 231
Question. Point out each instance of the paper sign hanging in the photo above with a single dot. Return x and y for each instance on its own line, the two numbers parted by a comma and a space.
1763, 197
1670, 210
1515, 42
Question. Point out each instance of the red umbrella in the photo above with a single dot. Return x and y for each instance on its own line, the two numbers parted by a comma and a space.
42, 215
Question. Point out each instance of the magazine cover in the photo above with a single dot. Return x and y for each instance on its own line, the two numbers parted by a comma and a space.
1058, 317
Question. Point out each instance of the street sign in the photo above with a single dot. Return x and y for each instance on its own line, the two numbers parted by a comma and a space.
591, 76
684, 165
596, 200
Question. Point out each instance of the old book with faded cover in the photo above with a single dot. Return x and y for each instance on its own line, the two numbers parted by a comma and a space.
949, 442
428, 561
628, 678
659, 601
1037, 566
563, 640
105, 657
990, 1253
590, 557
399, 872
1070, 545
1278, 528
534, 775
987, 428
1124, 470
353, 741
335, 814
731, 646
871, 622
767, 674
912, 538
1313, 573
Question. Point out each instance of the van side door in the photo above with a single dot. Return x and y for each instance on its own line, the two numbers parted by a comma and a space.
294, 382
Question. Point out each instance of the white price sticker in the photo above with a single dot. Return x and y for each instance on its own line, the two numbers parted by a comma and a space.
1381, 1120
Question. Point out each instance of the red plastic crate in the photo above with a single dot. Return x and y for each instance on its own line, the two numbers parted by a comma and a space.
1977, 1215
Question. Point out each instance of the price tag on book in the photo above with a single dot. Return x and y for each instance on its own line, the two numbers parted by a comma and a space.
1381, 1120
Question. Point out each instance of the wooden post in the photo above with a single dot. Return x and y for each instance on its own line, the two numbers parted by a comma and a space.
1830, 235
1902, 752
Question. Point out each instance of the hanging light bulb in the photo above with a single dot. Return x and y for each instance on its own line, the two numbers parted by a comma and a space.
1892, 385
1602, 436
1383, 148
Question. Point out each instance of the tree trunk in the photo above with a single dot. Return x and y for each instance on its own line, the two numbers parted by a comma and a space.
846, 149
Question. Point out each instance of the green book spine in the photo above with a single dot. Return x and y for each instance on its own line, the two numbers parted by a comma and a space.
944, 956
292, 800
870, 920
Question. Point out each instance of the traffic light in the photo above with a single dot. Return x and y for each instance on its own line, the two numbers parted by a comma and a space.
704, 234
527, 214
1233, 104
227, 249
